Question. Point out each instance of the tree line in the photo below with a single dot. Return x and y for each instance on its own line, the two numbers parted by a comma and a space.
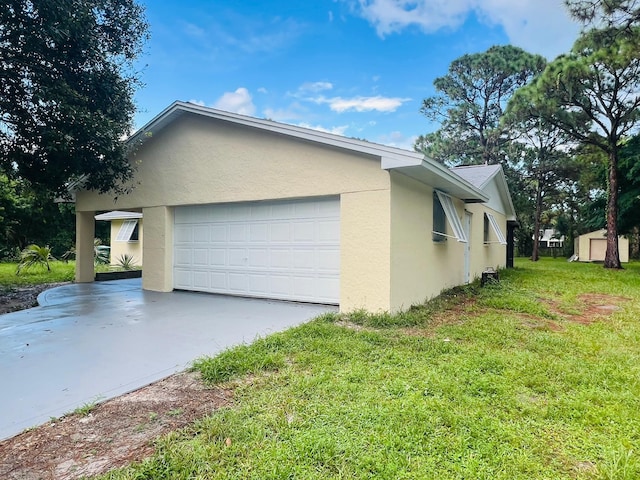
565, 131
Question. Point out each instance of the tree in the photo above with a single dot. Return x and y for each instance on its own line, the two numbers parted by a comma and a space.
614, 14
544, 162
471, 100
593, 94
67, 80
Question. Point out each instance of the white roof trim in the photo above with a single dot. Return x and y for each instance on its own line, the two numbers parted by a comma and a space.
413, 164
452, 216
118, 215
496, 228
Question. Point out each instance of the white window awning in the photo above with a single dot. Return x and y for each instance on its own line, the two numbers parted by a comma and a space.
452, 216
496, 228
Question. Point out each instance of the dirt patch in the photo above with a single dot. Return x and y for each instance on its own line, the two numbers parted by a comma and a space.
592, 307
113, 434
21, 298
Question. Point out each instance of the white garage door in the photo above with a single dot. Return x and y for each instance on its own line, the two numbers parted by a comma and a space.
284, 250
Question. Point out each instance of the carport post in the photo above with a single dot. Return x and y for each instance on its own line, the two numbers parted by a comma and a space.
85, 232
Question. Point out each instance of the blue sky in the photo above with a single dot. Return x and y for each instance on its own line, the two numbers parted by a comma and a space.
358, 68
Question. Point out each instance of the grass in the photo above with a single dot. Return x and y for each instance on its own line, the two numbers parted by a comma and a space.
60, 272
482, 383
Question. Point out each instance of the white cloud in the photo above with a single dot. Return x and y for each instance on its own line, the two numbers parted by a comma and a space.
315, 87
335, 130
539, 26
362, 104
263, 90
198, 102
239, 101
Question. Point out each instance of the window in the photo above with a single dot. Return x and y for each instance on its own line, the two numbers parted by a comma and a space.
128, 231
446, 205
486, 228
489, 218
439, 223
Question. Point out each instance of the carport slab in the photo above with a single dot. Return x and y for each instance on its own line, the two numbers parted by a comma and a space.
90, 342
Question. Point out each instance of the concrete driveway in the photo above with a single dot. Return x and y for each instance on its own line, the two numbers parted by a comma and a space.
89, 342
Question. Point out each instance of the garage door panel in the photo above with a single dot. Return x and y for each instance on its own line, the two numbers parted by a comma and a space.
238, 233
200, 257
304, 259
285, 250
259, 232
237, 257
328, 261
218, 281
218, 233
329, 231
182, 279
237, 282
258, 257
182, 257
183, 233
280, 232
201, 280
304, 231
217, 257
280, 258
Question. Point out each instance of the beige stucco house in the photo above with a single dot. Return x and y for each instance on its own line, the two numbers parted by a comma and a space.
125, 235
592, 247
243, 206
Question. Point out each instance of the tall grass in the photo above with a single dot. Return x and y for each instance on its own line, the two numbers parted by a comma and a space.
60, 272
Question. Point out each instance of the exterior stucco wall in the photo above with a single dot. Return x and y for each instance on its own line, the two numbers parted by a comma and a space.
119, 249
420, 267
584, 245
365, 251
200, 160
157, 273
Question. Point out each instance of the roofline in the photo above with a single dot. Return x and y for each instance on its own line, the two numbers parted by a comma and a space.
178, 108
390, 157
502, 181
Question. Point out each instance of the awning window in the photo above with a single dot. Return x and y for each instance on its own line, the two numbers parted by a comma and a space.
496, 228
452, 217
128, 231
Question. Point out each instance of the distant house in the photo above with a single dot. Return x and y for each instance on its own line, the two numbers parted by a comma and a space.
550, 238
592, 246
244, 206
126, 235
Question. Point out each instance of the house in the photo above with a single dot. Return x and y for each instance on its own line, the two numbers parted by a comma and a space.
244, 206
592, 246
550, 238
125, 236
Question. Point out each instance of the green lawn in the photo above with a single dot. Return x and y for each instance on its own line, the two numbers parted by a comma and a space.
60, 272
497, 385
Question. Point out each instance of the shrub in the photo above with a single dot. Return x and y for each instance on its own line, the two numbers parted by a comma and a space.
34, 255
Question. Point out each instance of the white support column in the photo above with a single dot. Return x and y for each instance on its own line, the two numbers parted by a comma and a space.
85, 232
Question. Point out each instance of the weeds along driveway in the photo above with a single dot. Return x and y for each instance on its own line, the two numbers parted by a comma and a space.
90, 342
